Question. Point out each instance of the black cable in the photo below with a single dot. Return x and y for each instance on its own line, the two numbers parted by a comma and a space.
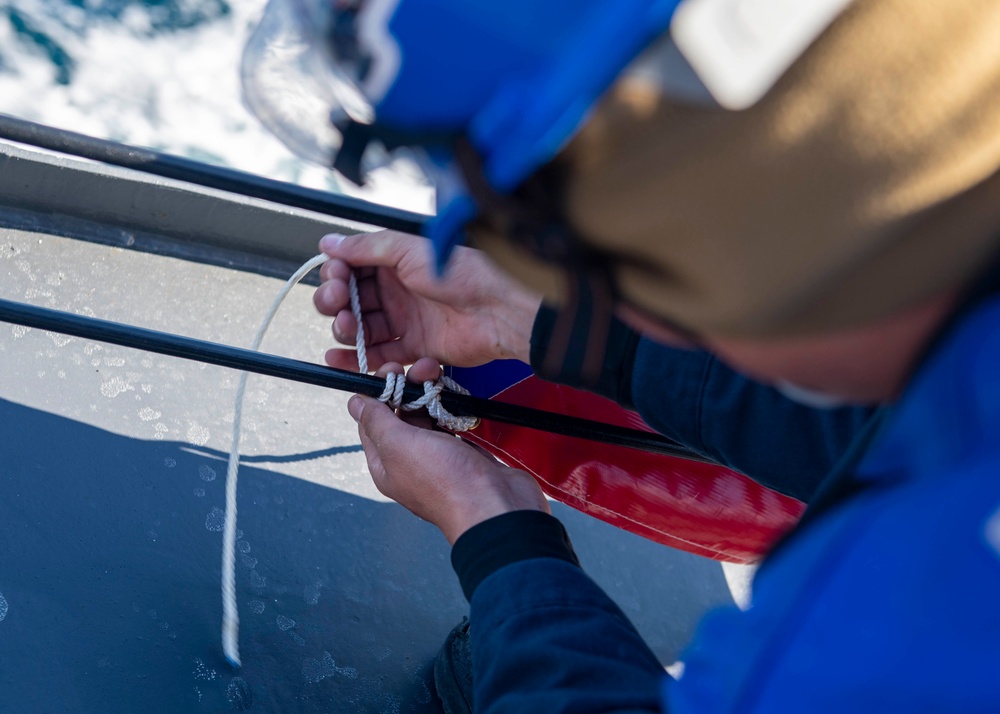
295, 370
247, 184
202, 174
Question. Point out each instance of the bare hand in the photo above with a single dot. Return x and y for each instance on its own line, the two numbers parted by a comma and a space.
434, 474
472, 315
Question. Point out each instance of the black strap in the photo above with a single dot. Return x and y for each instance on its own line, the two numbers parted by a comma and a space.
532, 218
353, 144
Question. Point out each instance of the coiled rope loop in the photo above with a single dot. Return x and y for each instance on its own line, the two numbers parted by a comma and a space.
230, 612
392, 395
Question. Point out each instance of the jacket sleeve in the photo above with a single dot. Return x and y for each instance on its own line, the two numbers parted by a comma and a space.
693, 398
545, 637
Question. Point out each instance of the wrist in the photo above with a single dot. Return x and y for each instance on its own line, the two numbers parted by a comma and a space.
470, 517
509, 491
516, 327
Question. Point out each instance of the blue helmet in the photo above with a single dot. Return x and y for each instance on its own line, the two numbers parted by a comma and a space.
339, 80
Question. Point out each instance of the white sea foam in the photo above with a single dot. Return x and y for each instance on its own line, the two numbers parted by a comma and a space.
174, 89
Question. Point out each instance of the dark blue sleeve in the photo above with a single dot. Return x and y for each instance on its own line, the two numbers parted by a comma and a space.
545, 637
693, 398
750, 427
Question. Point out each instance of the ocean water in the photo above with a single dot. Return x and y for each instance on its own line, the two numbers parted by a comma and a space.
157, 73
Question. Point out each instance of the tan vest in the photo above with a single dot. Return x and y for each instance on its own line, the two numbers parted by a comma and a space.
865, 181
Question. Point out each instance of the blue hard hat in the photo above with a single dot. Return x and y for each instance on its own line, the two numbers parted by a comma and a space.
339, 79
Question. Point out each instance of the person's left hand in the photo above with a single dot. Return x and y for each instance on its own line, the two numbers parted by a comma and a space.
434, 474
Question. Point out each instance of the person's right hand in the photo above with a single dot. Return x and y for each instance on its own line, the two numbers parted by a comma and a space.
438, 477
470, 316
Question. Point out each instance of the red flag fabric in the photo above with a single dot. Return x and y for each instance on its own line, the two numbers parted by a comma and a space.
704, 509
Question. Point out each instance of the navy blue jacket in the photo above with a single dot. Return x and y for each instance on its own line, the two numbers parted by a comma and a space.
695, 399
884, 599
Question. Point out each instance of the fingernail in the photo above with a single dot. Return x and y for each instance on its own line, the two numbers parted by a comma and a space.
330, 242
355, 405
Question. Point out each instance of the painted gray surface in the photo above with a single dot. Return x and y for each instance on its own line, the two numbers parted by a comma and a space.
113, 466
131, 202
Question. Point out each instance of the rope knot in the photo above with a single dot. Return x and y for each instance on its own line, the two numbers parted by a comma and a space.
392, 395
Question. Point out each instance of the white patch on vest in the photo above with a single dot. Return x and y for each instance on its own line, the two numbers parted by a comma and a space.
992, 532
740, 48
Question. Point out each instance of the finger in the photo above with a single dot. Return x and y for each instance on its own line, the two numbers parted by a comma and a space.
345, 327
416, 418
369, 294
377, 328
374, 459
328, 243
363, 272
383, 248
381, 433
379, 423
342, 359
331, 297
384, 369
388, 352
334, 295
338, 269
423, 370
335, 269
355, 406
377, 356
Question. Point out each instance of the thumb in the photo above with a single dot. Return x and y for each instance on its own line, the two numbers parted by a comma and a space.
375, 420
384, 249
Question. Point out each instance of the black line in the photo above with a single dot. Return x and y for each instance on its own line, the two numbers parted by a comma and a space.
298, 371
208, 175
209, 452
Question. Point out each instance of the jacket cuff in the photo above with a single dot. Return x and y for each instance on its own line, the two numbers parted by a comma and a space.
615, 380
505, 539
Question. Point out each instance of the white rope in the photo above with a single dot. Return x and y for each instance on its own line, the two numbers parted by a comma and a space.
230, 613
359, 339
391, 395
